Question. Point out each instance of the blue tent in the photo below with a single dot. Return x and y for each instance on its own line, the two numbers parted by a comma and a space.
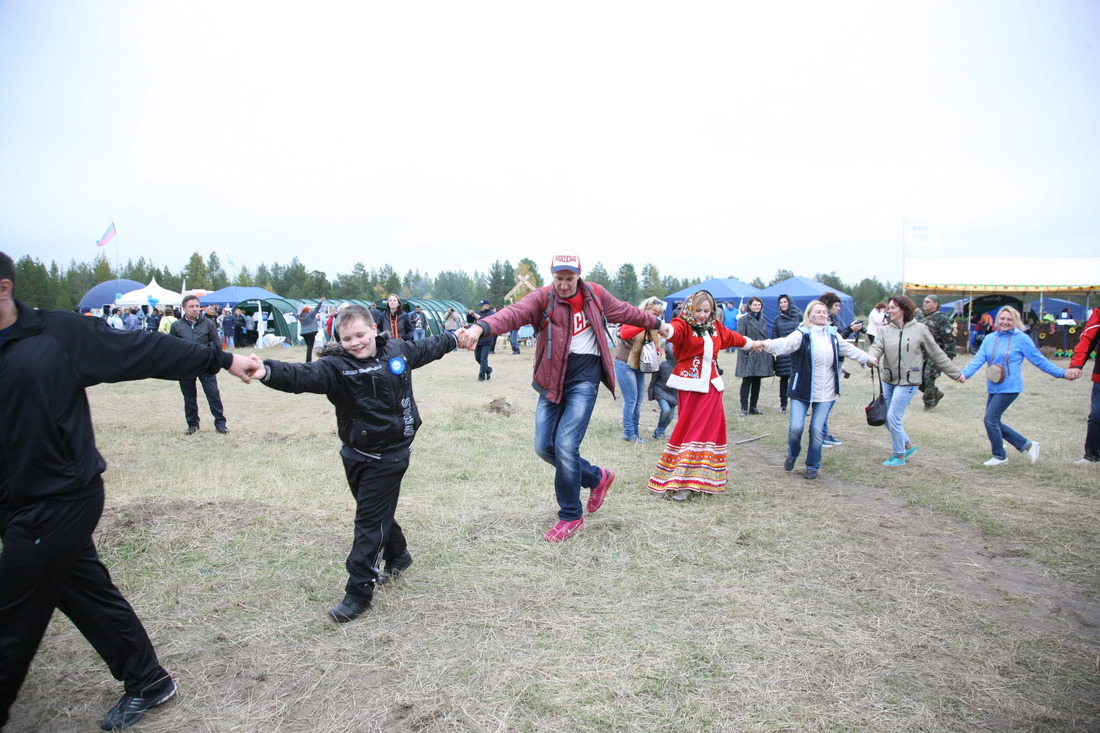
1054, 306
803, 290
233, 294
724, 290
107, 292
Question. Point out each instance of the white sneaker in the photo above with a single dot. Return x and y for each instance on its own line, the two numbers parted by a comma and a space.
1084, 461
1033, 453
995, 461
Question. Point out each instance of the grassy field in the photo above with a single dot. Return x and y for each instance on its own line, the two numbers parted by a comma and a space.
939, 596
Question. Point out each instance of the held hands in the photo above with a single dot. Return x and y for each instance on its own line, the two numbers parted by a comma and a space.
247, 368
758, 346
961, 379
873, 361
1072, 373
467, 337
666, 330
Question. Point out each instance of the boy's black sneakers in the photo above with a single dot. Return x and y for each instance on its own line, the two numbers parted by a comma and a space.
348, 609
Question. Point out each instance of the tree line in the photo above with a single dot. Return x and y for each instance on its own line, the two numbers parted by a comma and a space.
56, 287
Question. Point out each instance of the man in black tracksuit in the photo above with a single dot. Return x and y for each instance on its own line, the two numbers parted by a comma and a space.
51, 491
198, 329
368, 378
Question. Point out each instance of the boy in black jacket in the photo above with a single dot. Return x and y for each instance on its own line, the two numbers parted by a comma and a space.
368, 379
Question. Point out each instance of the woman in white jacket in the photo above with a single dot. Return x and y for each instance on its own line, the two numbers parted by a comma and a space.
814, 384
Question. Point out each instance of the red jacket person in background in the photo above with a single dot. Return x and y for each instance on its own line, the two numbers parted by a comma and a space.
1088, 343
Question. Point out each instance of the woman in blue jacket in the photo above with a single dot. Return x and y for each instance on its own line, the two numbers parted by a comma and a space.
1007, 347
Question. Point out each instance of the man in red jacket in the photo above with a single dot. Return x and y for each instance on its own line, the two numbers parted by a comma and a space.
572, 357
1089, 342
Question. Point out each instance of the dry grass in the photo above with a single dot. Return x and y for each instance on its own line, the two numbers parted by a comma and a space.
936, 597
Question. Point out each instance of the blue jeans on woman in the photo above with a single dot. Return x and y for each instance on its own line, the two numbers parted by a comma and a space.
898, 398
818, 418
559, 430
632, 388
998, 432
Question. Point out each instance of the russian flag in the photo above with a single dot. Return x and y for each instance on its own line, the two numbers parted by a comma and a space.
107, 235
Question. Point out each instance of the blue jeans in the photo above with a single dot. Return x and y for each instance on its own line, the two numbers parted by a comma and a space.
559, 430
632, 387
513, 339
897, 401
481, 355
1092, 432
664, 419
818, 419
418, 334
998, 432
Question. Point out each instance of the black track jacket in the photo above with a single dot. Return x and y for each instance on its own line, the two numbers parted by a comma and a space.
47, 446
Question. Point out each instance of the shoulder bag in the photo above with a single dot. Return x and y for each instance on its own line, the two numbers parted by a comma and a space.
996, 373
876, 410
649, 360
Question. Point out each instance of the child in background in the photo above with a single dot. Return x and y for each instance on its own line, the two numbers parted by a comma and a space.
664, 395
368, 378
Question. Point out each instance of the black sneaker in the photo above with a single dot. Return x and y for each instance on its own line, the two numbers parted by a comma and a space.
130, 709
811, 473
348, 609
191, 430
395, 567
221, 429
789, 463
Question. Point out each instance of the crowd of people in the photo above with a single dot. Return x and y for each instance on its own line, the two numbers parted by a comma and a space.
51, 498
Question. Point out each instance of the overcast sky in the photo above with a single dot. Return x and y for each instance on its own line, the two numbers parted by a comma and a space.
723, 138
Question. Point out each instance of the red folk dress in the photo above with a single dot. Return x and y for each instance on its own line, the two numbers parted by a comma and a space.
695, 457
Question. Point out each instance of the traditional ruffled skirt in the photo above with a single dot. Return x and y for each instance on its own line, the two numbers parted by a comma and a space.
695, 457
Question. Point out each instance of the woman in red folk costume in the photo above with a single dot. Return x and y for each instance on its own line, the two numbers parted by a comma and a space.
695, 458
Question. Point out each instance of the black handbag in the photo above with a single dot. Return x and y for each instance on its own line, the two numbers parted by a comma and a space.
876, 411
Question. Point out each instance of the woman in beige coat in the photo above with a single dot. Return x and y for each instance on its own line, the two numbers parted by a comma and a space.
901, 348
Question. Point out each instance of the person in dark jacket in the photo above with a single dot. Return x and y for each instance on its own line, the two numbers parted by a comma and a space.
229, 329
198, 329
395, 321
484, 344
51, 489
308, 326
665, 396
368, 379
753, 366
784, 325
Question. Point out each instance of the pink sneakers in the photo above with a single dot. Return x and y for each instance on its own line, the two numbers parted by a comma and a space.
598, 494
563, 530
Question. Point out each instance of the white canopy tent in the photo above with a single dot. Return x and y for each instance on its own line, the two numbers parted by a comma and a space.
980, 275
151, 294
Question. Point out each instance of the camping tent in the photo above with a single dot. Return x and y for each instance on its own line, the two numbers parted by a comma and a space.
724, 290
106, 292
434, 309
1054, 307
964, 307
233, 294
803, 290
150, 295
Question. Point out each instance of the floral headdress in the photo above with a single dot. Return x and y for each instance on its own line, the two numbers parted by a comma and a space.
688, 311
